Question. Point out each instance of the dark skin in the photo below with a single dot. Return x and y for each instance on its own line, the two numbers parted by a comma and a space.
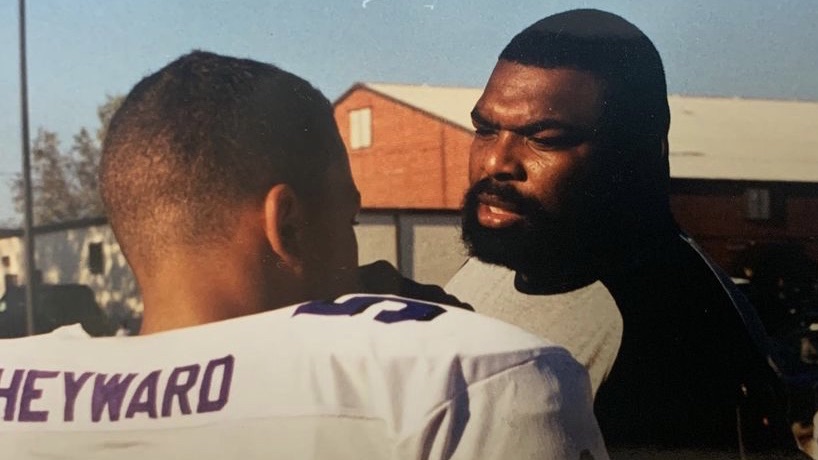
285, 247
535, 132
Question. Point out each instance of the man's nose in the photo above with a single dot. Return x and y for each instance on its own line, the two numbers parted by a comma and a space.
501, 160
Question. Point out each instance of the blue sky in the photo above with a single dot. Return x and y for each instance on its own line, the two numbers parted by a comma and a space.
81, 50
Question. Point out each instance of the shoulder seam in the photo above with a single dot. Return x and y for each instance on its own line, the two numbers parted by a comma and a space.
542, 353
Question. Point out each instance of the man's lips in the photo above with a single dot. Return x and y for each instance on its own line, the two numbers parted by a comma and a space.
493, 212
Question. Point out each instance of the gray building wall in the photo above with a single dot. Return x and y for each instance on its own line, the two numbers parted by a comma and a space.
61, 256
424, 245
377, 238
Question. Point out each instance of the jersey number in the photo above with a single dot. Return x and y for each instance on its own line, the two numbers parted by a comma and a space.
412, 310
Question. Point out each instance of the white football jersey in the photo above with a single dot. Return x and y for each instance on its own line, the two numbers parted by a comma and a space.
363, 377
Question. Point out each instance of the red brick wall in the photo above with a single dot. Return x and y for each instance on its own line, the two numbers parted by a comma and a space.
713, 212
415, 160
457, 144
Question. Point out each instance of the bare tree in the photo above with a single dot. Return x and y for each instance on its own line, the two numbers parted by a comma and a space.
85, 154
64, 183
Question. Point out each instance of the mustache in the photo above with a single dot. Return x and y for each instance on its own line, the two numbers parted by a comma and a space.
506, 193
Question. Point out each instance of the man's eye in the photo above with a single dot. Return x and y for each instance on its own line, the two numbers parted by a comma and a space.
484, 132
554, 142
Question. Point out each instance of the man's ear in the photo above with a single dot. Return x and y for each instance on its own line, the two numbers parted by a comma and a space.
284, 225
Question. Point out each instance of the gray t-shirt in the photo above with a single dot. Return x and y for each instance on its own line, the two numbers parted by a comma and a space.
586, 321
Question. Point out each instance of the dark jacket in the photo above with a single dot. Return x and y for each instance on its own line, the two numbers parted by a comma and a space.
693, 368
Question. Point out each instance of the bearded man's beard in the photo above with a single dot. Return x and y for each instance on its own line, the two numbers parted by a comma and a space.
538, 242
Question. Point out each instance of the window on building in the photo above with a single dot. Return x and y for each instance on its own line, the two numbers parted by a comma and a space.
96, 259
758, 204
360, 128
6, 261
9, 280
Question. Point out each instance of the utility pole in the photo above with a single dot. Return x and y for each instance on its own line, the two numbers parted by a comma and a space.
28, 222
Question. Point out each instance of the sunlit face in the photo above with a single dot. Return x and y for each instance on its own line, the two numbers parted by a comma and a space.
332, 259
533, 165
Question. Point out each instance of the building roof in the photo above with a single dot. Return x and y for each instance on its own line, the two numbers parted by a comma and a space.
744, 139
55, 227
450, 103
710, 137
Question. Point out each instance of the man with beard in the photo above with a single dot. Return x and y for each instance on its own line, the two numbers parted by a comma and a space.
569, 186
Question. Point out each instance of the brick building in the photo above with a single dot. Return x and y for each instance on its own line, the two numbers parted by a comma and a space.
744, 172
406, 149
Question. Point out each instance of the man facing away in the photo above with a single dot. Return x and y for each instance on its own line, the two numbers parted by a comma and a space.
569, 185
229, 190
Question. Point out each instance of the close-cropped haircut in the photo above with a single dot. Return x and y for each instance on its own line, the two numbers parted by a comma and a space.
202, 137
613, 50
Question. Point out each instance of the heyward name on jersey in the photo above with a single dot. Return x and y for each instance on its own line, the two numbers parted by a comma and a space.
181, 390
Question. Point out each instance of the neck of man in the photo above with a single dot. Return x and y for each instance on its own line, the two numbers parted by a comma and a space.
608, 255
569, 274
537, 283
194, 289
638, 245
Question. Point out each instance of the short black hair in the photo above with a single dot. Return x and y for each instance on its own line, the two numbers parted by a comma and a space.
613, 50
203, 136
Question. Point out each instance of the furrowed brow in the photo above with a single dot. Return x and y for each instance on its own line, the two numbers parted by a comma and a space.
480, 120
525, 130
543, 125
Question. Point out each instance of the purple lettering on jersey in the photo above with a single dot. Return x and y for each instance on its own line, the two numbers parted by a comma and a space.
72, 389
413, 310
109, 393
205, 404
417, 311
10, 393
146, 387
349, 307
179, 390
30, 393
